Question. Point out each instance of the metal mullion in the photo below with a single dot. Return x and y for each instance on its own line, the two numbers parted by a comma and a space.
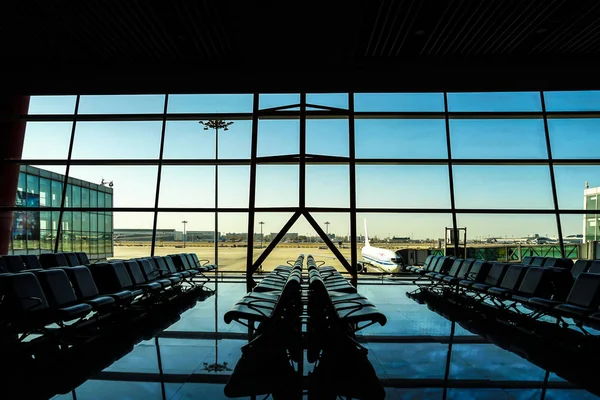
506, 211
159, 173
302, 163
132, 117
552, 177
67, 170
455, 237
352, 194
252, 197
291, 159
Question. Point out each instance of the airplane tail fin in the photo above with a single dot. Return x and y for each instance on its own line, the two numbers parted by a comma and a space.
366, 235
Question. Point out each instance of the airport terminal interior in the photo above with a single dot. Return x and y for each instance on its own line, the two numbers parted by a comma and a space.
361, 200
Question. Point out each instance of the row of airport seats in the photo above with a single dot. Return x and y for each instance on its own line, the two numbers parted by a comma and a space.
282, 303
523, 308
50, 317
18, 263
548, 291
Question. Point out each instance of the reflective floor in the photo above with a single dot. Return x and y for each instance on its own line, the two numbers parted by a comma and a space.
193, 358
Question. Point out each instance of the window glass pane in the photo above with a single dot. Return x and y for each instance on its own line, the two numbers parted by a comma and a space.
101, 200
336, 100
489, 234
45, 192
494, 101
133, 186
277, 185
187, 139
210, 103
122, 104
571, 184
278, 137
517, 138
399, 102
93, 198
327, 186
197, 182
502, 187
577, 229
327, 137
108, 200
236, 142
234, 186
233, 228
402, 186
56, 193
47, 140
199, 228
33, 184
76, 196
85, 197
573, 100
52, 104
574, 138
97, 140
132, 234
400, 138
277, 100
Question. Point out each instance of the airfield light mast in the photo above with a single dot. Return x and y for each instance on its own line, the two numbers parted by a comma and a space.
261, 234
327, 227
184, 222
216, 124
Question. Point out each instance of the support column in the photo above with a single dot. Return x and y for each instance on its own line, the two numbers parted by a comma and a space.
12, 136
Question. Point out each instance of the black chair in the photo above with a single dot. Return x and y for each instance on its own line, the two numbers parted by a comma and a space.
583, 299
3, 267
511, 281
31, 262
151, 273
86, 290
580, 267
139, 279
494, 277
527, 260
14, 263
72, 259
477, 274
538, 261
60, 294
537, 282
51, 260
594, 267
83, 258
462, 273
112, 279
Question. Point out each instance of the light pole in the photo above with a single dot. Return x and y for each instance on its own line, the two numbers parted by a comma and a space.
216, 124
327, 228
261, 233
184, 222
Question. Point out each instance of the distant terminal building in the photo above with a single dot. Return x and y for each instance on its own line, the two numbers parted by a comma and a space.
35, 232
145, 235
591, 222
162, 235
287, 237
201, 236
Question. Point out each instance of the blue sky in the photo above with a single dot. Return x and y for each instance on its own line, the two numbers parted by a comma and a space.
386, 186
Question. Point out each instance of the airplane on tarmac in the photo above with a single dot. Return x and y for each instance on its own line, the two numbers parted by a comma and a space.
382, 260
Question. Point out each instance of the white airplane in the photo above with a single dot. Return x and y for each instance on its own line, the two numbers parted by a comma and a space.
383, 260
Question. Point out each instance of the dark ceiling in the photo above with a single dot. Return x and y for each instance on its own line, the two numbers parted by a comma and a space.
107, 46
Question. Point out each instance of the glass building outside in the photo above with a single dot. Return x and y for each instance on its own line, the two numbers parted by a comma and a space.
35, 232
